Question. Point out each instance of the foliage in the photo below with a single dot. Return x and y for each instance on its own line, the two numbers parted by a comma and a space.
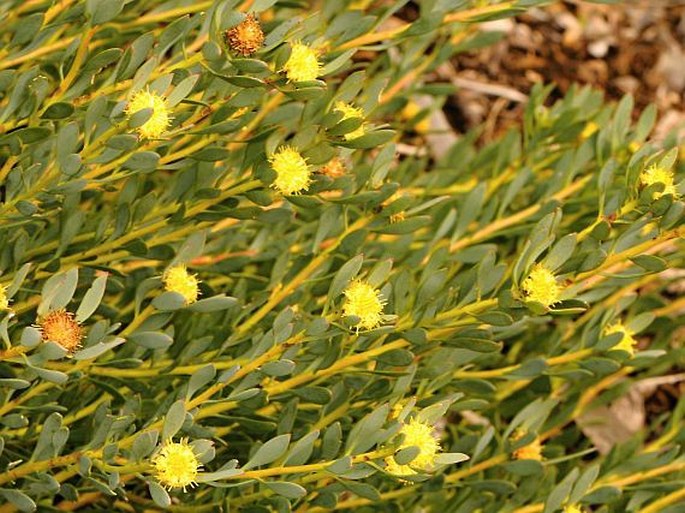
239, 345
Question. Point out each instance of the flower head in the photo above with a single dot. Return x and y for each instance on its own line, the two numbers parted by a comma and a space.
532, 451
4, 300
178, 279
303, 64
627, 342
541, 286
59, 326
176, 465
394, 468
656, 174
247, 37
334, 168
365, 302
160, 119
349, 111
292, 171
572, 508
416, 434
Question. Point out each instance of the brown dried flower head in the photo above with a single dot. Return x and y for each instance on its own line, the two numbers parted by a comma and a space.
335, 168
247, 37
59, 326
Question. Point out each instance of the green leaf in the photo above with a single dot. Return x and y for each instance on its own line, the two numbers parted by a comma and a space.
159, 495
31, 337
344, 276
91, 299
101, 11
288, 490
174, 419
650, 263
369, 140
169, 301
365, 433
199, 379
19, 499
301, 450
560, 492
58, 110
270, 451
151, 339
213, 304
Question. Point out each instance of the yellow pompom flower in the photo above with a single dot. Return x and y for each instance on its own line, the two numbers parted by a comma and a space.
349, 111
176, 465
178, 279
627, 342
160, 119
656, 174
4, 300
532, 451
394, 468
303, 64
365, 302
292, 171
59, 326
541, 286
572, 508
416, 434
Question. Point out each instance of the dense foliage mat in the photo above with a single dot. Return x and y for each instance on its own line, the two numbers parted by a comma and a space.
237, 276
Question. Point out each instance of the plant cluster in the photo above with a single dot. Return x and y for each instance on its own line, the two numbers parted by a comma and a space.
236, 277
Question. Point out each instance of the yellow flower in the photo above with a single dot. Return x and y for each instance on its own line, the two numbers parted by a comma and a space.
160, 119
541, 286
533, 451
60, 327
655, 174
419, 434
176, 465
178, 279
365, 302
4, 300
302, 65
292, 172
589, 129
572, 508
627, 342
410, 111
394, 468
247, 37
416, 434
349, 112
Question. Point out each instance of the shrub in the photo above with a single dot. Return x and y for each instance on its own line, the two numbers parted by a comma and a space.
235, 276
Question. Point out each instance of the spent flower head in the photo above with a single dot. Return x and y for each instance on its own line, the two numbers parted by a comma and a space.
178, 279
350, 111
59, 326
627, 342
293, 174
365, 302
657, 174
159, 120
176, 465
303, 64
541, 286
246, 37
334, 168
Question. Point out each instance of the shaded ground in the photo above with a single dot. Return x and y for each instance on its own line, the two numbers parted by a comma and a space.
626, 48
